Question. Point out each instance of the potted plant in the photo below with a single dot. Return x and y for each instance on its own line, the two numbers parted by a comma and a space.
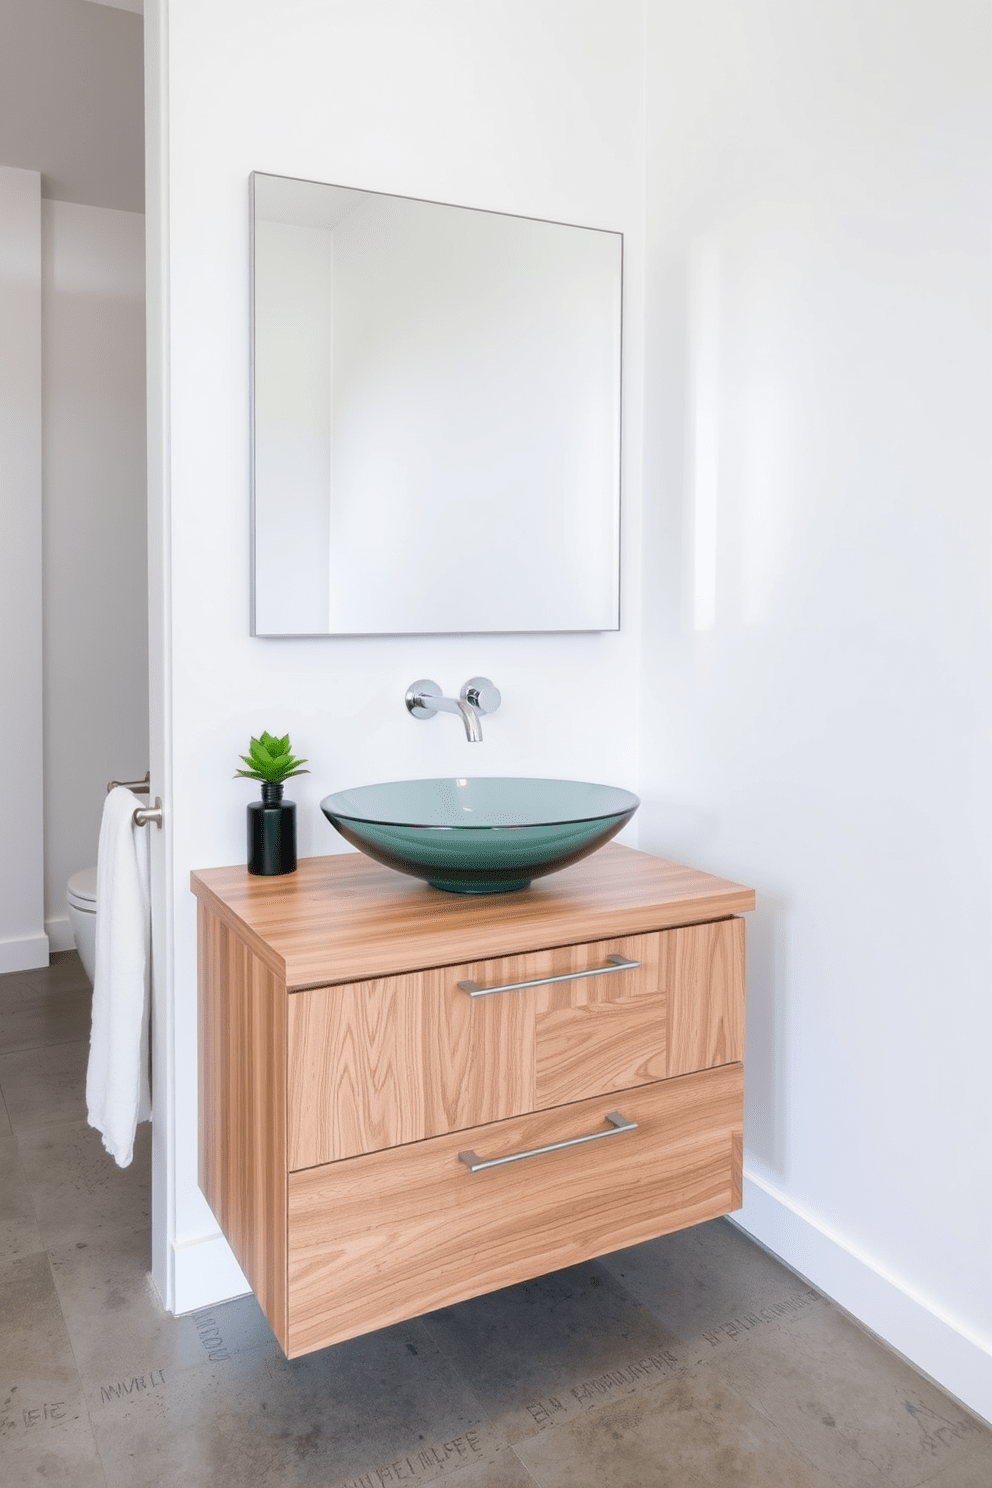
271, 821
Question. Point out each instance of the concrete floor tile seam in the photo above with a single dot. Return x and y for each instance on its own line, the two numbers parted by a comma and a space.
497, 1465
478, 1476
211, 1352
239, 1431
530, 1476
13, 1150
695, 1435
869, 1465
559, 1409
850, 1427
60, 964
83, 1051
886, 1347
980, 1424
33, 1433
973, 1471
76, 1462
264, 1391
27, 1068
924, 1381
873, 1474
78, 1193
42, 981
47, 1011
12, 984
780, 1429
956, 1475
69, 1340
33, 1046
6, 1128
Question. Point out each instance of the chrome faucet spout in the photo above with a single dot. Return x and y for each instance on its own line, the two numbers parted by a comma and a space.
473, 724
478, 696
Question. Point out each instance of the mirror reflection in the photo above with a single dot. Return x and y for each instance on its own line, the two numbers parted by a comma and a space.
436, 417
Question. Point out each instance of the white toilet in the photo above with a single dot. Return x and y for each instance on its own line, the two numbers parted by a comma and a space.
81, 901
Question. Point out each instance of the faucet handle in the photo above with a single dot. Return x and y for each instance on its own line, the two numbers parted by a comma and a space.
483, 695
418, 697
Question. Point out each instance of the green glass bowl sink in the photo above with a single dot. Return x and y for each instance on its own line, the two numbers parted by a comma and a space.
479, 836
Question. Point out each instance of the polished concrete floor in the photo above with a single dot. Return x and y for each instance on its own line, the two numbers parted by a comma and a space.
695, 1361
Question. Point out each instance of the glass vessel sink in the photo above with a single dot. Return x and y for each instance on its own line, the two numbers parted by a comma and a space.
479, 836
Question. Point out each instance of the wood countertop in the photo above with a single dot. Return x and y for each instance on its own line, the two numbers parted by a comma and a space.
345, 918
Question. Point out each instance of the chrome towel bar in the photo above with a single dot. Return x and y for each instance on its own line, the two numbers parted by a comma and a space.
143, 816
143, 787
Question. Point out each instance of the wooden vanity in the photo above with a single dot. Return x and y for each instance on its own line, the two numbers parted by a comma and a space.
383, 1066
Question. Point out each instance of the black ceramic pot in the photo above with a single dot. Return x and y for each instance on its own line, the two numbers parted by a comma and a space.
271, 832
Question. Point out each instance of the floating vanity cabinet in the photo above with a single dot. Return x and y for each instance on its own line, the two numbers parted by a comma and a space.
409, 1097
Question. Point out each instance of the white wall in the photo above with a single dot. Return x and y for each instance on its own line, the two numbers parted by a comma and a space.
516, 106
94, 539
817, 601
23, 942
817, 632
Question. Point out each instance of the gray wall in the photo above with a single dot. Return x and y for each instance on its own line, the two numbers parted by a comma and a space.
72, 108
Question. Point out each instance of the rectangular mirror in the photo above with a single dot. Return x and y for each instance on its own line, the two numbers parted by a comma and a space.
435, 417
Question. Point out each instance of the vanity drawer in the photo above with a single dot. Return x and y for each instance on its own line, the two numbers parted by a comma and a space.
382, 1063
376, 1239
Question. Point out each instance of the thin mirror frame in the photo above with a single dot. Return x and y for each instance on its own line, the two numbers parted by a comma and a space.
617, 499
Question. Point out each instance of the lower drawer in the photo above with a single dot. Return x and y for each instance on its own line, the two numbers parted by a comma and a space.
377, 1239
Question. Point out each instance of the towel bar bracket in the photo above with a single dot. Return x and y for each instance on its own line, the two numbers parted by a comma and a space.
143, 787
145, 815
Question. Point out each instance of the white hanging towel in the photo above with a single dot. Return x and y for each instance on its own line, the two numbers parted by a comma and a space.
117, 1088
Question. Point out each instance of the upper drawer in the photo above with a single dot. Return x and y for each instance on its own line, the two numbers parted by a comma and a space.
378, 1063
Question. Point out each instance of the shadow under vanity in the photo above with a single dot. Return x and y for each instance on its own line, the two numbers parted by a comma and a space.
408, 1098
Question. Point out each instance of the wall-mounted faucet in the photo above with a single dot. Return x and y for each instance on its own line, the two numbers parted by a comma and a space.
477, 697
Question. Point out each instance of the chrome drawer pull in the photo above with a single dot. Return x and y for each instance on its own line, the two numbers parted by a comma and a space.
617, 1122
616, 963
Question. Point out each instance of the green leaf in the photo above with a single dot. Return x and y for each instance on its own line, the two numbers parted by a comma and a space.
269, 758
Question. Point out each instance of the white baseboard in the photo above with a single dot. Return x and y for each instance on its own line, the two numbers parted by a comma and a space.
205, 1273
24, 954
60, 936
943, 1348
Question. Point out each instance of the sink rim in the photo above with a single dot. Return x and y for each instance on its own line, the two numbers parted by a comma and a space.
620, 801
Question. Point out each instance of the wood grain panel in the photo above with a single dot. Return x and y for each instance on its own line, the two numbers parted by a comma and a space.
242, 1108
378, 1063
377, 1239
345, 918
476, 1053
599, 1046
737, 1171
356, 1077
704, 977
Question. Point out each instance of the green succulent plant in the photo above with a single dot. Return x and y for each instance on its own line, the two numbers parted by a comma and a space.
269, 759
